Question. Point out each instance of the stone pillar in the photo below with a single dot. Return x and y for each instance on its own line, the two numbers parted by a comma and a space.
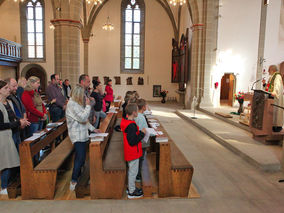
86, 55
193, 83
209, 49
261, 43
67, 39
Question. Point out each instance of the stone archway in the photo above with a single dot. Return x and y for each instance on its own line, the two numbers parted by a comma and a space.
38, 71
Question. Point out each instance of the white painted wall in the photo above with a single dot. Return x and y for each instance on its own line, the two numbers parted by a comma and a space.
274, 42
238, 36
104, 50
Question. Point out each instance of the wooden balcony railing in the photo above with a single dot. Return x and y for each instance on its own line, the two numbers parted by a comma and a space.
10, 51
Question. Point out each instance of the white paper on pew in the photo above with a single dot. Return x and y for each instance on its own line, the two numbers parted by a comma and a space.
111, 112
98, 135
151, 131
97, 139
147, 112
152, 120
60, 123
160, 132
150, 116
115, 101
32, 138
39, 133
161, 139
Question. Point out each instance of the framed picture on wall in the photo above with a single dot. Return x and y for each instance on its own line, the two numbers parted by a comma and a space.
157, 90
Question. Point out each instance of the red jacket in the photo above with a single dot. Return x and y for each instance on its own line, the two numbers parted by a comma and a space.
109, 93
130, 152
33, 115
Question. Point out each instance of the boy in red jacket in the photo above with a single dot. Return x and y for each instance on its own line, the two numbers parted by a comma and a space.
132, 148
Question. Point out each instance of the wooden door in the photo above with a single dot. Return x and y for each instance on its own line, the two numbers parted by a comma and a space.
38, 73
227, 89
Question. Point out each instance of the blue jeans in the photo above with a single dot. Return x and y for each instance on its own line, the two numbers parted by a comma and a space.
99, 115
34, 127
5, 175
17, 139
56, 113
79, 161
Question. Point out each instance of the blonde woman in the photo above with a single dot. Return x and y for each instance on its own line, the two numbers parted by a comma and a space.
36, 112
77, 115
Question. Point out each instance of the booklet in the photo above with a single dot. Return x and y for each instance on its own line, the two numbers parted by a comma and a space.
98, 135
95, 139
161, 139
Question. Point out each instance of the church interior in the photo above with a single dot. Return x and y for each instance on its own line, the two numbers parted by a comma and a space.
211, 73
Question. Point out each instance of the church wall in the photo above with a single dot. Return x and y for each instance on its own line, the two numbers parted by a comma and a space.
7, 72
48, 64
104, 51
274, 42
10, 30
10, 21
238, 37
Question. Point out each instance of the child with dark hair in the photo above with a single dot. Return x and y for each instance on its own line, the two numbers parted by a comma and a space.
132, 148
97, 95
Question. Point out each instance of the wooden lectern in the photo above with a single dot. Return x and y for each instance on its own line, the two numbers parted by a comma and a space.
261, 118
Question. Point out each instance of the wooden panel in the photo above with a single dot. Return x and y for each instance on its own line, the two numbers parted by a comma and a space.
56, 158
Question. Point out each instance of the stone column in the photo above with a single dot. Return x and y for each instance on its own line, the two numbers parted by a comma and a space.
261, 43
209, 48
67, 39
86, 55
193, 83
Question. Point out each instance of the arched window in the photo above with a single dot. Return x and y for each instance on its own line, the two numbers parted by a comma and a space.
132, 36
32, 21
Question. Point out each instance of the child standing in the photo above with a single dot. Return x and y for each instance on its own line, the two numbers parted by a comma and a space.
141, 123
132, 148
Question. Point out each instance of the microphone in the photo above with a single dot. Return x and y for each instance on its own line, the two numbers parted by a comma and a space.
255, 83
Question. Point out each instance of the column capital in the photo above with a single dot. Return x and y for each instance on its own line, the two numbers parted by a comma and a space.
86, 40
66, 22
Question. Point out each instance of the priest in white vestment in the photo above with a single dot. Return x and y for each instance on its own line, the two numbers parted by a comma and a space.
275, 87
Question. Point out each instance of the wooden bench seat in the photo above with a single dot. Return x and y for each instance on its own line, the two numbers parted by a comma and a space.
56, 158
107, 166
39, 181
114, 159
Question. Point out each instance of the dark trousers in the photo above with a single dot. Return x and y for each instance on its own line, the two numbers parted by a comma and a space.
17, 139
56, 113
139, 176
5, 176
79, 161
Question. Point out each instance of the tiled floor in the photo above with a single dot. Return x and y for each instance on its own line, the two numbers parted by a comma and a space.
225, 182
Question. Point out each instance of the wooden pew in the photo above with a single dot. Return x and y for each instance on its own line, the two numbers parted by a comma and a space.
38, 181
107, 165
174, 170
106, 158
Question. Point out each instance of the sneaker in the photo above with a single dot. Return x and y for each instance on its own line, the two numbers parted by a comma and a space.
135, 189
3, 192
136, 194
72, 186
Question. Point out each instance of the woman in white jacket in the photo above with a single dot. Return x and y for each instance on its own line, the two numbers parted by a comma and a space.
78, 125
